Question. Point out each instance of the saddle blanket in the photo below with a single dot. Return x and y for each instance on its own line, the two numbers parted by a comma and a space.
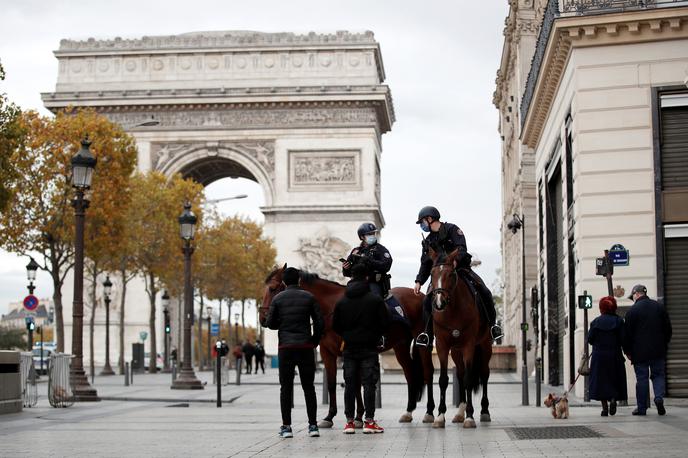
396, 311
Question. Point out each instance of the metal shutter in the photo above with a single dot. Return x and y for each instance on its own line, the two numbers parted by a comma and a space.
676, 301
674, 147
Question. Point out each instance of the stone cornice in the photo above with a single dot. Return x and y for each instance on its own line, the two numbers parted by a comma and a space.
600, 30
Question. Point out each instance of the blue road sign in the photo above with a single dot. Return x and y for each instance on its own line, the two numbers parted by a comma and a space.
619, 255
214, 329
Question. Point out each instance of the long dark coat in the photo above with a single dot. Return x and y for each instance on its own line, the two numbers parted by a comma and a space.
607, 369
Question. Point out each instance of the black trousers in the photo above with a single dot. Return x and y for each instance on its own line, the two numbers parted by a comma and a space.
249, 364
289, 359
260, 362
361, 367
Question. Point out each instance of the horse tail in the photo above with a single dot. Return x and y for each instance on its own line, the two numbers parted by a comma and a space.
418, 373
473, 371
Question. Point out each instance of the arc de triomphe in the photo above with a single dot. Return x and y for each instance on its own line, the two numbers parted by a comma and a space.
302, 115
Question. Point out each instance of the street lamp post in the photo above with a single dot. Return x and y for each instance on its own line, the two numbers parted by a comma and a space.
187, 378
516, 224
107, 289
236, 328
83, 165
31, 269
209, 309
166, 343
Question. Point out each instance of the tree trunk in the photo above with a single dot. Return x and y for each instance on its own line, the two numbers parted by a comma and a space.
153, 359
120, 362
94, 283
243, 323
57, 303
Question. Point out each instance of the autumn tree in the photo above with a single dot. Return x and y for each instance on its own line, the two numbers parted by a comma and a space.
156, 203
10, 136
39, 218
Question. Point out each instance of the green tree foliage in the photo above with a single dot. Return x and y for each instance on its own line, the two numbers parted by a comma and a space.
10, 136
39, 217
12, 339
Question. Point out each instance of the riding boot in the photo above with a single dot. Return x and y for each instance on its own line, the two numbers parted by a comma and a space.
488, 306
426, 337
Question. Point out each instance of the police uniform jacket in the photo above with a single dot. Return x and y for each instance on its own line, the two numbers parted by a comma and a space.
447, 239
377, 259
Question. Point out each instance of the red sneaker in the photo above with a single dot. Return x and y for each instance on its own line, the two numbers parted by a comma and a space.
371, 427
350, 428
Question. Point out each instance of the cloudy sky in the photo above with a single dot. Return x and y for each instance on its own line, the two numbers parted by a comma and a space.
440, 58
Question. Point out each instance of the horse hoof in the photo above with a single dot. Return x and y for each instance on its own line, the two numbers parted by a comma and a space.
485, 417
325, 424
469, 423
406, 418
358, 424
458, 418
427, 418
439, 423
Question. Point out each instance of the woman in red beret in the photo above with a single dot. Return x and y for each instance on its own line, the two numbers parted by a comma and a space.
607, 368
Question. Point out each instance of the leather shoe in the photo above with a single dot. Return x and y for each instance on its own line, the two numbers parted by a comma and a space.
604, 413
637, 412
660, 407
612, 408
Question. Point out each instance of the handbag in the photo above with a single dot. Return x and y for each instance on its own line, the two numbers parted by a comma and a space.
584, 367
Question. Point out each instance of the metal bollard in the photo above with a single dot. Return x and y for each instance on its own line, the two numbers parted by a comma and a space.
326, 392
455, 388
131, 372
538, 382
238, 371
378, 390
218, 373
126, 374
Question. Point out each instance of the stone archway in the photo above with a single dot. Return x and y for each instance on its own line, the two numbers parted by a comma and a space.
302, 115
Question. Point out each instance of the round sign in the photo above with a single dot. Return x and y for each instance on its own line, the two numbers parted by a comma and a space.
31, 302
143, 335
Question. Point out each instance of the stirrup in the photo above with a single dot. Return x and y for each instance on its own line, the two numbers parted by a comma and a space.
496, 332
381, 343
423, 339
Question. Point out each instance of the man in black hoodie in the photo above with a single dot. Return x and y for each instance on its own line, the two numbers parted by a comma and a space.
360, 318
291, 313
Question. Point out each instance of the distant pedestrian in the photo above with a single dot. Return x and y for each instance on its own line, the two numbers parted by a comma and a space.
361, 318
238, 356
248, 349
647, 335
173, 355
607, 368
259, 356
291, 312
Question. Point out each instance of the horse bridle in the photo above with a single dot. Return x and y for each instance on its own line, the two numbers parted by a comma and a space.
273, 293
447, 292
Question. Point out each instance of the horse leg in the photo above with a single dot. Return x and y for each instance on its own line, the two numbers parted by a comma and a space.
469, 422
330, 362
461, 370
484, 377
429, 370
443, 355
404, 359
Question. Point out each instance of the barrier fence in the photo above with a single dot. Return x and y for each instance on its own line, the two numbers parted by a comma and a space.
28, 380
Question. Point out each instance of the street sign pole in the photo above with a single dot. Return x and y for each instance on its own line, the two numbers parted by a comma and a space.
586, 379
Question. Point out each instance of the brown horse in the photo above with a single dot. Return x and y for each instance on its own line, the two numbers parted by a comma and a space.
459, 331
417, 369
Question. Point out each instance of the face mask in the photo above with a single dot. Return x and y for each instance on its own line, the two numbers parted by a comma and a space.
370, 239
425, 227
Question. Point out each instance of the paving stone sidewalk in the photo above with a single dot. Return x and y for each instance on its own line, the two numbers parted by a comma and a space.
151, 422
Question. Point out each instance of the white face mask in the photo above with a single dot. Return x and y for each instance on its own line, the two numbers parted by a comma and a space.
370, 239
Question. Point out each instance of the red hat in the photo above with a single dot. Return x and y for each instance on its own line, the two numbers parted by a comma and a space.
608, 305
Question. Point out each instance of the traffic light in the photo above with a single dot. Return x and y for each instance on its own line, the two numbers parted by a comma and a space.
167, 325
30, 324
585, 301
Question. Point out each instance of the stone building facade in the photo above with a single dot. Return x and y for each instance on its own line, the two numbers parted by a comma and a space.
605, 112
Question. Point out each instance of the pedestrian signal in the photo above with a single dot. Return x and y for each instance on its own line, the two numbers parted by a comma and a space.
585, 301
30, 324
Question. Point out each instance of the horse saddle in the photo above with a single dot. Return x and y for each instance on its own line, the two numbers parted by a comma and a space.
467, 276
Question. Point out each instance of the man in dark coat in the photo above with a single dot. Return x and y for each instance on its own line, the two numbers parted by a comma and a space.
374, 256
647, 334
249, 350
607, 369
291, 313
361, 318
260, 356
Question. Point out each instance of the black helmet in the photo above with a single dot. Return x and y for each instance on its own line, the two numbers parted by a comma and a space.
366, 228
428, 211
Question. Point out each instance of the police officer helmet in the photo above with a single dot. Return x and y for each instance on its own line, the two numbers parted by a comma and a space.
428, 211
366, 228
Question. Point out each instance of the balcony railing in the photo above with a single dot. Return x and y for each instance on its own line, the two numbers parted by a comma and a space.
589, 7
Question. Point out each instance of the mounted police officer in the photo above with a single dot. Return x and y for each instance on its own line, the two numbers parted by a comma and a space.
374, 256
448, 237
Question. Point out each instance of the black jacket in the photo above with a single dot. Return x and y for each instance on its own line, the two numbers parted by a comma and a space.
447, 239
647, 331
375, 257
291, 312
360, 317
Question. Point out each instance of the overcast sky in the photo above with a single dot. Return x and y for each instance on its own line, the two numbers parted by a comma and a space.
440, 58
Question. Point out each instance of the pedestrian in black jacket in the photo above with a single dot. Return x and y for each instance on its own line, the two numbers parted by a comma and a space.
360, 318
249, 350
260, 356
647, 335
291, 313
607, 368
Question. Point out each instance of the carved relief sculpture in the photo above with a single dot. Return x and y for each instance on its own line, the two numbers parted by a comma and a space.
321, 255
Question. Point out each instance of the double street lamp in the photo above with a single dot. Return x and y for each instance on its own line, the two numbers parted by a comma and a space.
107, 290
31, 269
516, 224
83, 165
187, 378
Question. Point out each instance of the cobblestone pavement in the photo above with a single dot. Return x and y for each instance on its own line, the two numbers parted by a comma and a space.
247, 426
